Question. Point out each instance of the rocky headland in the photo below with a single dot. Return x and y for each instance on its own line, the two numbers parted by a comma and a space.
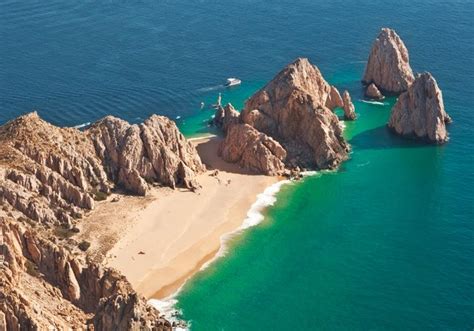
50, 178
291, 122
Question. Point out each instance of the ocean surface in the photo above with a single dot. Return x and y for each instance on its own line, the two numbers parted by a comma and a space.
384, 243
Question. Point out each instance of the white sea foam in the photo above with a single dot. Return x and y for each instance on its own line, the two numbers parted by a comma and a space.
378, 103
254, 216
178, 117
83, 125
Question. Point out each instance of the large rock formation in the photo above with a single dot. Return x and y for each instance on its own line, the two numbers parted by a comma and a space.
349, 109
53, 175
419, 112
45, 286
295, 109
388, 66
154, 151
50, 177
225, 117
253, 150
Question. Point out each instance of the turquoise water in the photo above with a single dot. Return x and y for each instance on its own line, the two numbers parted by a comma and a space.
384, 243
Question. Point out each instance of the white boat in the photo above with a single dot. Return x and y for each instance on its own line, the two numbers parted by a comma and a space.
232, 82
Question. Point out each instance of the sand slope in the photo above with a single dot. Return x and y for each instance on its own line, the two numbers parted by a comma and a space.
167, 237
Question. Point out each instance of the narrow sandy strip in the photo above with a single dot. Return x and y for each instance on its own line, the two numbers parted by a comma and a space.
174, 234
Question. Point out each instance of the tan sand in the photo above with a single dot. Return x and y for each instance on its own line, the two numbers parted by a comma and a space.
168, 237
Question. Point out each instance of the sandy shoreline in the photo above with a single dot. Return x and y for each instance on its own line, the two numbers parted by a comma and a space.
167, 237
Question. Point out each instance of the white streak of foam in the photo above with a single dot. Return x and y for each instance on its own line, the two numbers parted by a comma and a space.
378, 103
82, 125
255, 216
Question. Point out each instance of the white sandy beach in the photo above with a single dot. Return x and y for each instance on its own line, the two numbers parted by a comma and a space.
165, 238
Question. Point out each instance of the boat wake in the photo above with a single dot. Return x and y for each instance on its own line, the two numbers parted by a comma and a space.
210, 88
378, 103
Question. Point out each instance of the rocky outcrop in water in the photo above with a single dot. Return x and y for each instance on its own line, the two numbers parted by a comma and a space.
388, 66
295, 109
373, 92
419, 112
349, 109
252, 150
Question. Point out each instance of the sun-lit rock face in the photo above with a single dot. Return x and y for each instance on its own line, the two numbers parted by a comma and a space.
49, 178
154, 151
388, 66
295, 109
419, 112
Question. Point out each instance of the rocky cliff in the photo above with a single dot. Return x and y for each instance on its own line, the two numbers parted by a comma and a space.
49, 178
295, 110
46, 285
419, 112
154, 151
388, 66
53, 175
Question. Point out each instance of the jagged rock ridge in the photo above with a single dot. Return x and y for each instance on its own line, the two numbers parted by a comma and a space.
49, 178
154, 151
53, 175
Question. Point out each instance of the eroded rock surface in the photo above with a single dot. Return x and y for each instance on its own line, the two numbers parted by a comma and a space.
388, 66
295, 109
252, 150
44, 286
53, 175
419, 112
225, 117
49, 178
154, 151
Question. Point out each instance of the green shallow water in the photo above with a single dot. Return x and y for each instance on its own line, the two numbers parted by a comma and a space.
383, 243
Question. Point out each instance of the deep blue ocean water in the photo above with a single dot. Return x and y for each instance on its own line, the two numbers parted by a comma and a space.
385, 243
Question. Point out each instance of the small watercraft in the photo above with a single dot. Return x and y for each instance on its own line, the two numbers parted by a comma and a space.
232, 82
